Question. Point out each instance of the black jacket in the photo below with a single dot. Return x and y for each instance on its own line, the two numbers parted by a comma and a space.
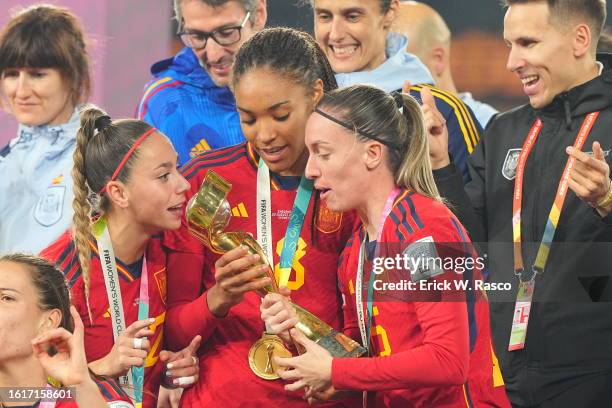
569, 337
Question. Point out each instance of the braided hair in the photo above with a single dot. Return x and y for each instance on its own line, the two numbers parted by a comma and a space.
100, 145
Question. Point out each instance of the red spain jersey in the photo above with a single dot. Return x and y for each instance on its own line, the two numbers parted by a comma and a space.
226, 379
99, 332
420, 343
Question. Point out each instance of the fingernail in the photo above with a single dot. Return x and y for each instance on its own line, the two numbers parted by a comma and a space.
170, 366
168, 373
175, 381
151, 320
568, 149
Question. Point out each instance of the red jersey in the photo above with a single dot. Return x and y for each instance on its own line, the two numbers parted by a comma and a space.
226, 379
99, 332
420, 346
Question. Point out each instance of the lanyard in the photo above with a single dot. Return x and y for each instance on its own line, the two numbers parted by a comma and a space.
527, 278
365, 327
113, 292
296, 221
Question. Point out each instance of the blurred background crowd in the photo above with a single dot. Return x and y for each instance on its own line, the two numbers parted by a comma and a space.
122, 55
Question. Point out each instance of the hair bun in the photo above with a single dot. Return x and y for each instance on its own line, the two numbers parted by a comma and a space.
102, 122
399, 100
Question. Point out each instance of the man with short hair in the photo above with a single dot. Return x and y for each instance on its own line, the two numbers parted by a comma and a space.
429, 38
546, 207
188, 98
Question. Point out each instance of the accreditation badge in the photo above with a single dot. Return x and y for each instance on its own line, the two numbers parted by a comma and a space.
520, 319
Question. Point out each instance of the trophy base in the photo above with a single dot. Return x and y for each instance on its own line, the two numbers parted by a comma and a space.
341, 346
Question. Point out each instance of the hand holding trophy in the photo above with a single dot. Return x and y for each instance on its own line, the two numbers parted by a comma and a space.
208, 214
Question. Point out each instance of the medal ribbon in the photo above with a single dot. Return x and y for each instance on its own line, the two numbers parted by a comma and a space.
113, 292
296, 220
365, 327
525, 293
143, 313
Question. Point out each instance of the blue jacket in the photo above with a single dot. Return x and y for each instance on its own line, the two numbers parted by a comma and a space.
36, 186
463, 127
184, 103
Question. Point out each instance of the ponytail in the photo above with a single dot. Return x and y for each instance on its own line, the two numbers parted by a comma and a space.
81, 205
415, 169
101, 144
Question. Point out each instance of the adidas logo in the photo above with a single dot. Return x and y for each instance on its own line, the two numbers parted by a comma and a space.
240, 211
199, 148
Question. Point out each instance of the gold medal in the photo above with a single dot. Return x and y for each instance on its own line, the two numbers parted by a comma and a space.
261, 353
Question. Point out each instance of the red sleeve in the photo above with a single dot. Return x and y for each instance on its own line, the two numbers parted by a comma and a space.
442, 359
188, 314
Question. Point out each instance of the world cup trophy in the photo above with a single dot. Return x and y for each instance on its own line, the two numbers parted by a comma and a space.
208, 214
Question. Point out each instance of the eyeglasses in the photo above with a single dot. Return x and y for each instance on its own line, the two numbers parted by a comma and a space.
224, 36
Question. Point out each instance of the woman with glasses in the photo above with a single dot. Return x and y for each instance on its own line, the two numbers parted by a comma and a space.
189, 99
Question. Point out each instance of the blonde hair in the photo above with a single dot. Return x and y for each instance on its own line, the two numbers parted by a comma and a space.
394, 120
101, 144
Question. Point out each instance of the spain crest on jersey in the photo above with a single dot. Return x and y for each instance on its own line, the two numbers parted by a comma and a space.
509, 167
50, 206
160, 279
328, 221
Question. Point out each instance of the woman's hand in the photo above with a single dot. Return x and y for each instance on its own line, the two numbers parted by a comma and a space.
278, 314
62, 354
130, 349
169, 398
311, 370
435, 126
183, 367
235, 275
315, 398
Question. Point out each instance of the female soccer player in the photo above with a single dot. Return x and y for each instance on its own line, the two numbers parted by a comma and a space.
41, 340
279, 76
124, 173
369, 152
44, 76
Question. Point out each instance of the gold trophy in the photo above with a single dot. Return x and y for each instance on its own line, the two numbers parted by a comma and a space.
208, 214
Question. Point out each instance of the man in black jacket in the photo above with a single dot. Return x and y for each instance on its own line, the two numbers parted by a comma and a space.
550, 241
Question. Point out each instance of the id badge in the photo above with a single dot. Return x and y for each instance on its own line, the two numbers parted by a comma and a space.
520, 319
